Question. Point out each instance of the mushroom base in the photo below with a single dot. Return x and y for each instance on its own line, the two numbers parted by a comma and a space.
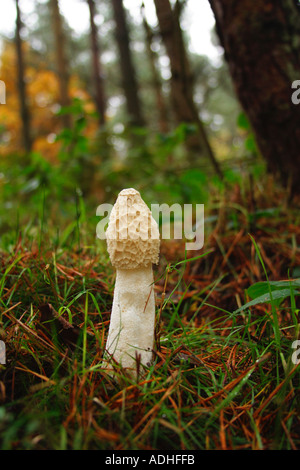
131, 332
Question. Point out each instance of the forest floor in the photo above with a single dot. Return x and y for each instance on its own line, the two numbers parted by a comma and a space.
224, 375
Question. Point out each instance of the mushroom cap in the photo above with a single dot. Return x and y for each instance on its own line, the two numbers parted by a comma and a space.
132, 234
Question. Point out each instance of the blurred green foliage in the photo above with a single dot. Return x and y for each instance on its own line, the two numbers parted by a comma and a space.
90, 171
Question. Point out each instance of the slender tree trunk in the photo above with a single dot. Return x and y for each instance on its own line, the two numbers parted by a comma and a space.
97, 67
25, 117
156, 78
181, 79
261, 40
129, 81
61, 60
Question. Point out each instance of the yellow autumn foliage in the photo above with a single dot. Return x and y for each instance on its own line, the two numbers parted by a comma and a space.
42, 92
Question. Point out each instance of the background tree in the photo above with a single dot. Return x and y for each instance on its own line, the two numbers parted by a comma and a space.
61, 59
128, 74
261, 41
156, 77
24, 111
182, 89
97, 66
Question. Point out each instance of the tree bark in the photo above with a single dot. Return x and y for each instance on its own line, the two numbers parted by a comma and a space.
129, 81
97, 66
261, 41
182, 80
61, 60
24, 111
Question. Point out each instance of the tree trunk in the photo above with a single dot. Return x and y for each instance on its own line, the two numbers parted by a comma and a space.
261, 41
21, 84
129, 81
61, 60
156, 78
97, 68
181, 79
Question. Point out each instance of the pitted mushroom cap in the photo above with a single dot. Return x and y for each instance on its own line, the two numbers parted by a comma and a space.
132, 234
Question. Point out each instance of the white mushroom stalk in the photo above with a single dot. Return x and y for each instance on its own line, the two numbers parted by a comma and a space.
133, 246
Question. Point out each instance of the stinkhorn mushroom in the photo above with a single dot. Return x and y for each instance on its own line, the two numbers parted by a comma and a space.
133, 244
